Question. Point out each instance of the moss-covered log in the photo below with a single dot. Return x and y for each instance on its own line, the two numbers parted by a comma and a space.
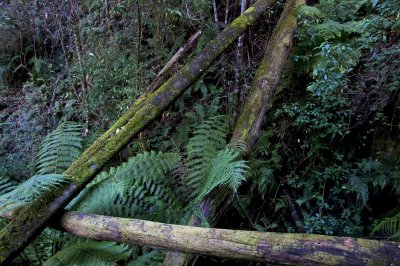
234, 244
267, 76
32, 219
250, 119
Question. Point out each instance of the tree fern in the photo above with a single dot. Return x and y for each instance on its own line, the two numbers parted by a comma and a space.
60, 149
137, 187
209, 163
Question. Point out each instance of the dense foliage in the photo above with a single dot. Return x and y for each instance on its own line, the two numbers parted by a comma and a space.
326, 162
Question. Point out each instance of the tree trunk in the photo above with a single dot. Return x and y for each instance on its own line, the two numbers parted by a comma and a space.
226, 11
233, 244
32, 219
238, 92
216, 20
79, 53
250, 120
267, 76
139, 40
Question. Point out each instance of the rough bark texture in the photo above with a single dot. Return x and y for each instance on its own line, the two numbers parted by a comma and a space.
267, 76
234, 244
32, 219
249, 122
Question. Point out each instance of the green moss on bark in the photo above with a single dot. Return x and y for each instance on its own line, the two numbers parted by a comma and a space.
267, 76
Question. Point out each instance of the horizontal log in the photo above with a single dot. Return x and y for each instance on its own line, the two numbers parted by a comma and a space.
305, 249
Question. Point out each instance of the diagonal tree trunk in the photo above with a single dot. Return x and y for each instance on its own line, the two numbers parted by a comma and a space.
267, 76
250, 120
32, 219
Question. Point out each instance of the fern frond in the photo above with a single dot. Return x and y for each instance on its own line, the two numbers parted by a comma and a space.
224, 170
90, 253
262, 177
330, 29
310, 12
44, 246
389, 226
60, 149
147, 167
6, 185
183, 130
29, 190
354, 26
208, 138
137, 186
360, 187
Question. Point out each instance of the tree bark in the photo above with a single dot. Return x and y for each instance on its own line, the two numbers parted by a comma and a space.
250, 120
267, 76
216, 20
239, 68
139, 39
233, 244
32, 219
226, 11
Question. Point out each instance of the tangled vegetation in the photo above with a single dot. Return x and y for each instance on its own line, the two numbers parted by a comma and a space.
327, 160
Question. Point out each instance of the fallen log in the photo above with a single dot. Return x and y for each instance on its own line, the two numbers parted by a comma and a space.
279, 248
33, 218
251, 117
